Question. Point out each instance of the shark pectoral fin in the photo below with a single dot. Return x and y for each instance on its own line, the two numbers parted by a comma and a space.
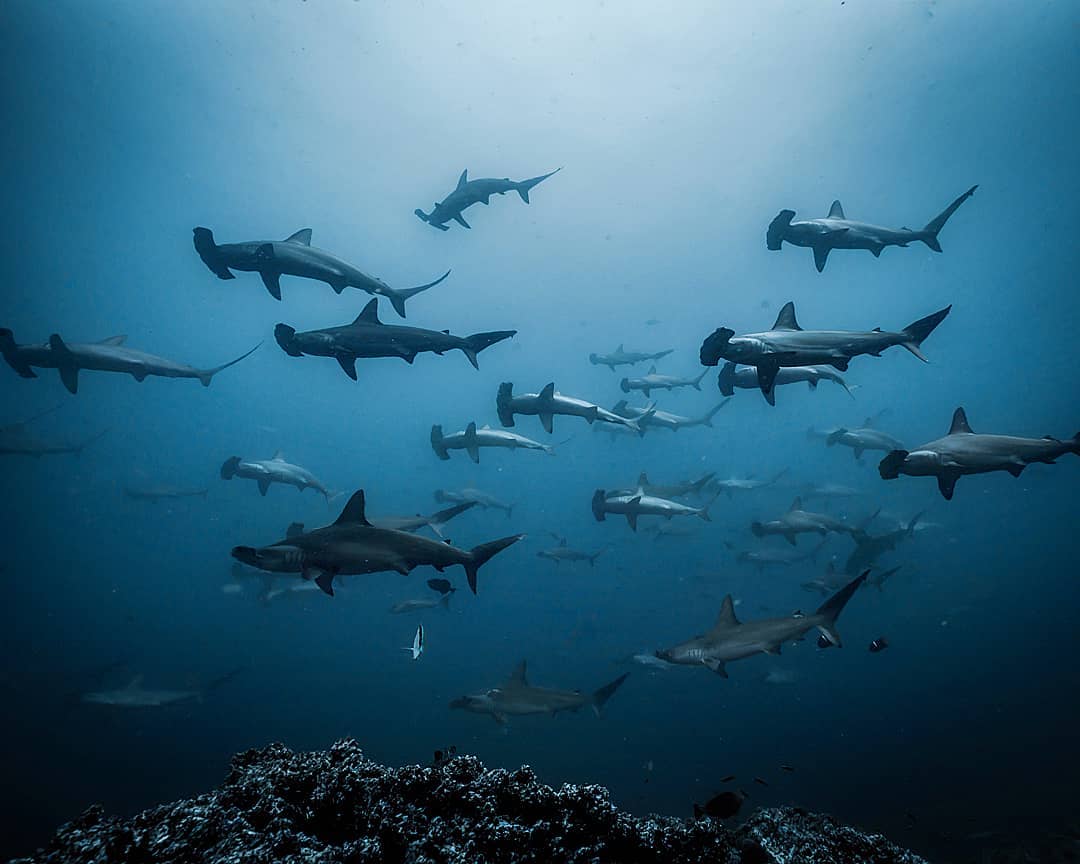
264, 485
790, 537
773, 649
1016, 468
499, 718
821, 255
947, 484
272, 280
69, 374
841, 363
474, 453
716, 666
631, 519
547, 420
337, 282
461, 221
348, 364
766, 373
323, 578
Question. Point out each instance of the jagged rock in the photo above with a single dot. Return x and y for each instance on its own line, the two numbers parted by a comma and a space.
335, 806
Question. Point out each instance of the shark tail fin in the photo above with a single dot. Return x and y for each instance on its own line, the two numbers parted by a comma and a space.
707, 419
437, 442
222, 680
696, 382
397, 298
86, 442
830, 610
206, 375
917, 331
601, 696
929, 234
480, 555
479, 341
438, 520
524, 186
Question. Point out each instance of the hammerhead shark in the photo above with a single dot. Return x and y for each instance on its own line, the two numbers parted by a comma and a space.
965, 452
563, 552
367, 336
15, 440
730, 639
436, 521
469, 192
479, 497
731, 378
649, 417
836, 231
787, 344
622, 357
471, 439
352, 546
798, 521
134, 695
517, 697
109, 355
274, 470
638, 503
295, 256
865, 437
667, 490
547, 403
653, 381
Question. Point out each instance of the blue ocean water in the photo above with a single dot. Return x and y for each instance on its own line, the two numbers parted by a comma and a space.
681, 132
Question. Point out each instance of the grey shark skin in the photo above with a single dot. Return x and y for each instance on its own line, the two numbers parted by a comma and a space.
763, 558
469, 192
367, 336
864, 438
836, 231
730, 639
475, 496
436, 521
109, 355
275, 470
516, 697
15, 440
870, 547
163, 491
787, 345
833, 491
295, 256
732, 378
547, 403
670, 529
652, 418
730, 485
798, 521
622, 357
964, 452
353, 546
638, 504
563, 552
134, 695
653, 381
406, 606
472, 439
666, 490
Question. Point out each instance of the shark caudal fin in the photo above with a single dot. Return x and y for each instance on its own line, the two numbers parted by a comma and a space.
479, 341
830, 610
437, 521
397, 298
774, 237
438, 443
502, 403
601, 696
917, 331
707, 419
480, 555
208, 251
206, 375
524, 186
283, 335
696, 382
929, 234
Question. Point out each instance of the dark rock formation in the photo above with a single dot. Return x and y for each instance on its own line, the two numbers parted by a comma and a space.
335, 806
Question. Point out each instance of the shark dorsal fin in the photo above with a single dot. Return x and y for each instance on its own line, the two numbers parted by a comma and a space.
868, 423
295, 529
652, 370
279, 456
369, 314
786, 319
113, 340
836, 211
548, 393
517, 677
303, 237
796, 504
619, 350
353, 514
463, 179
642, 480
726, 618
470, 431
562, 542
959, 422
135, 683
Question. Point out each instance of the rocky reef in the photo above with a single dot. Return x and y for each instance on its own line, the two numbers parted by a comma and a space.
336, 806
